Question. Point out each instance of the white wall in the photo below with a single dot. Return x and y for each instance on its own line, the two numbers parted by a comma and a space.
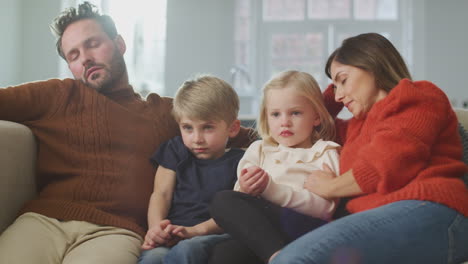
10, 32
39, 58
27, 48
444, 36
198, 41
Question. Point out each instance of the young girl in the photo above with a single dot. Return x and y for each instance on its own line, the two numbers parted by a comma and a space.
271, 207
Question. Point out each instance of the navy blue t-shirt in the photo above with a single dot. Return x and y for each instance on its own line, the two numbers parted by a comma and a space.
197, 180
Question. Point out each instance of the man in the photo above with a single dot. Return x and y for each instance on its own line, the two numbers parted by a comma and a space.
95, 136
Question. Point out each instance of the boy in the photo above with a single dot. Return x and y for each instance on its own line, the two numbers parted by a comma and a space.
192, 168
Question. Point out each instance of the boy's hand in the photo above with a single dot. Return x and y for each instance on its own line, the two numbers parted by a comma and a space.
184, 232
253, 180
179, 233
158, 235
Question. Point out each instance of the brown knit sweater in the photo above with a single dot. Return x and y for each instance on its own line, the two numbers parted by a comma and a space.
93, 149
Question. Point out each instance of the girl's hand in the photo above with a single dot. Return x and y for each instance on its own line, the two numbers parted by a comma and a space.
320, 182
253, 180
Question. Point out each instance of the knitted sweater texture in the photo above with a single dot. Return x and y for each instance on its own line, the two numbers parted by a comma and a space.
407, 147
93, 149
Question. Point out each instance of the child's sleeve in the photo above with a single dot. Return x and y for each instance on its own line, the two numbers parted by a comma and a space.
332, 159
252, 157
170, 153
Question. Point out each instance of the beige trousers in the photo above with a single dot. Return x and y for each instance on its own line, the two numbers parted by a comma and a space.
34, 238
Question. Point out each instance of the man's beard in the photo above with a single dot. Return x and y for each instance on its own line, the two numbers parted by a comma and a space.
111, 75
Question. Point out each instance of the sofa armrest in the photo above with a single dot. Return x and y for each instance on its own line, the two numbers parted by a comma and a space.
462, 115
17, 169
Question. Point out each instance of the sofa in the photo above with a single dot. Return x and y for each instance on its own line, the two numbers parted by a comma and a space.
17, 166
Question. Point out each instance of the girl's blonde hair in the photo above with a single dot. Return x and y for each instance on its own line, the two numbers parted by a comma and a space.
306, 85
206, 98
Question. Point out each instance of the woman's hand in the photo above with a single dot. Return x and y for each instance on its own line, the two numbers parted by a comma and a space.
327, 185
253, 180
320, 182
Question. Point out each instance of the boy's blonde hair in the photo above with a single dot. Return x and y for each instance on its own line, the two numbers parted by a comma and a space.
306, 85
206, 98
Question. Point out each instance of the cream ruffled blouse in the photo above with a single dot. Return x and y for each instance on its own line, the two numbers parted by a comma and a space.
288, 169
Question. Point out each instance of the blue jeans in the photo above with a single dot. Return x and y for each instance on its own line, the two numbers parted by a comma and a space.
401, 232
195, 250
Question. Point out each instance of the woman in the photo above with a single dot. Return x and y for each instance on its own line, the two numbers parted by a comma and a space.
400, 163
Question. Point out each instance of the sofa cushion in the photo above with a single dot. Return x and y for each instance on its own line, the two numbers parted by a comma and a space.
464, 138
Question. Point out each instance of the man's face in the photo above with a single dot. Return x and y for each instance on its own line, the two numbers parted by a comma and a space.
92, 56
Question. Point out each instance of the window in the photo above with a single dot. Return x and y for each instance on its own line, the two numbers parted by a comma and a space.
275, 35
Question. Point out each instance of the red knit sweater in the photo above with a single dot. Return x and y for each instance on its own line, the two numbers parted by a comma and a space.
93, 149
407, 147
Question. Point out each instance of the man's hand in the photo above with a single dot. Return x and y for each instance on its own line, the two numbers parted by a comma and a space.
320, 182
253, 180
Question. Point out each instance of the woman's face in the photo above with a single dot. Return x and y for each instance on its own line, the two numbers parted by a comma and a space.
355, 88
